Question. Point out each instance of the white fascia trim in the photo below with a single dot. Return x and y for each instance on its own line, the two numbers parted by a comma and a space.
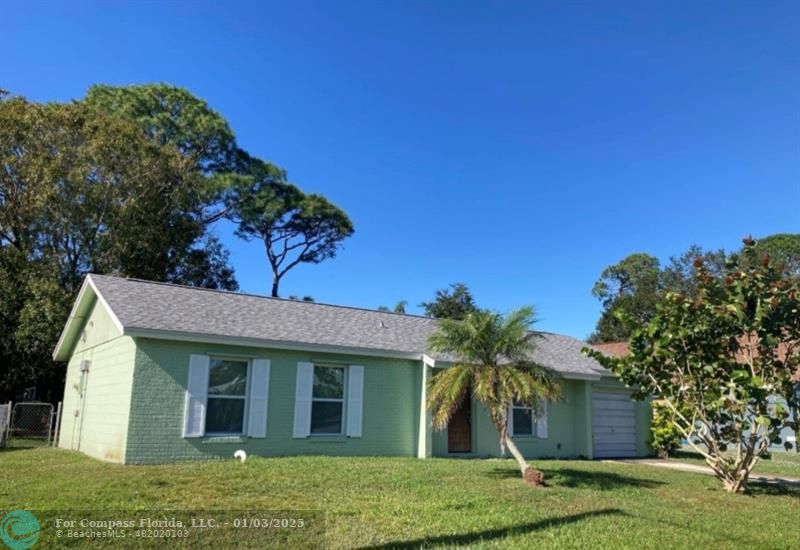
72, 317
261, 343
566, 375
590, 377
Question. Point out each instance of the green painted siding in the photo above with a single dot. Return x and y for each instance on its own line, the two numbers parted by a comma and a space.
566, 430
97, 329
390, 418
569, 427
132, 408
97, 423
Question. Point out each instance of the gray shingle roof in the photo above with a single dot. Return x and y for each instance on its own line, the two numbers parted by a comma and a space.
144, 305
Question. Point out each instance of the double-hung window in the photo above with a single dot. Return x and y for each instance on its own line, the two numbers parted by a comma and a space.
227, 396
327, 400
522, 419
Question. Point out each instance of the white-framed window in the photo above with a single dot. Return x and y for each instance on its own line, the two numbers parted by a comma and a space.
522, 420
327, 400
226, 405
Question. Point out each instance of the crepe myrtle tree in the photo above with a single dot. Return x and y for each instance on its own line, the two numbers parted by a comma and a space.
295, 227
492, 362
719, 359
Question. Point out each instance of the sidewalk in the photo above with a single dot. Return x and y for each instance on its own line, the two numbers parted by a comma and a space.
696, 469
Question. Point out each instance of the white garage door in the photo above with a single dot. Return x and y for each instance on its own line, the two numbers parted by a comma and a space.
613, 424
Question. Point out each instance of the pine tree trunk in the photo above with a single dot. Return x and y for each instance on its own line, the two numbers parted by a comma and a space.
275, 281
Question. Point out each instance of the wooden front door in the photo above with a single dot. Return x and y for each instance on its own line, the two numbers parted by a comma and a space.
459, 430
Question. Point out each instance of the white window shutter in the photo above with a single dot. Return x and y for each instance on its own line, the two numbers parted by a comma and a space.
302, 399
510, 420
355, 400
259, 394
194, 416
541, 423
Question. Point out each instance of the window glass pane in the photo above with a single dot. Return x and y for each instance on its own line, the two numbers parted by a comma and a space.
225, 416
329, 382
227, 377
523, 422
326, 417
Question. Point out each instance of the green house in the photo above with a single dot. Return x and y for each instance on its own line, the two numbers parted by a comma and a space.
158, 373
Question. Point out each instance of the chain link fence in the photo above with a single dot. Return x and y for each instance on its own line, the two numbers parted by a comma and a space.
31, 425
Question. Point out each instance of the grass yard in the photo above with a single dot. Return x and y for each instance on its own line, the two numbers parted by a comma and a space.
779, 463
409, 503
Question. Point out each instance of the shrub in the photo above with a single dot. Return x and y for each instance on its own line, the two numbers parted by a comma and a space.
666, 435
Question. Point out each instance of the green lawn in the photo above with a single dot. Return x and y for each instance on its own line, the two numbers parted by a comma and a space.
779, 463
404, 502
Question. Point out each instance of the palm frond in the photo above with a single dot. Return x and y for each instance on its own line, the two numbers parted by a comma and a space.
494, 361
484, 384
530, 384
446, 392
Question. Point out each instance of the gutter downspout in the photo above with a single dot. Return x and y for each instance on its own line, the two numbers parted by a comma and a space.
80, 412
588, 419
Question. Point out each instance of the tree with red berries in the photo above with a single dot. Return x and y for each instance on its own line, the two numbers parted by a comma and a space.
722, 360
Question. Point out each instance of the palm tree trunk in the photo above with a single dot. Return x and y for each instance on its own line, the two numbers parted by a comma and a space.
509, 443
501, 423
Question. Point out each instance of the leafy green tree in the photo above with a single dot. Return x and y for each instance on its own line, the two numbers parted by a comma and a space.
679, 274
716, 358
455, 302
91, 192
666, 436
784, 249
14, 372
38, 325
295, 227
493, 363
205, 264
301, 299
628, 291
172, 116
399, 307
84, 191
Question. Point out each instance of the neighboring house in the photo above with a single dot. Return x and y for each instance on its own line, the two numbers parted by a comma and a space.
620, 349
159, 372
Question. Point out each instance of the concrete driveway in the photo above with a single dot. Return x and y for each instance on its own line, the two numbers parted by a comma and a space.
697, 469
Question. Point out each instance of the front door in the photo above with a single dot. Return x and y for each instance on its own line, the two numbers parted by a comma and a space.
459, 430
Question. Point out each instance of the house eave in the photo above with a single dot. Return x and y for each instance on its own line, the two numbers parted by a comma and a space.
441, 364
78, 314
180, 336
74, 317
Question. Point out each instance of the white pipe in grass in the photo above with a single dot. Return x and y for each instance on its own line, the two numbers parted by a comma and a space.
241, 455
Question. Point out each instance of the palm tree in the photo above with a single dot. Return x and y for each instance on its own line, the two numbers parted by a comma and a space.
492, 359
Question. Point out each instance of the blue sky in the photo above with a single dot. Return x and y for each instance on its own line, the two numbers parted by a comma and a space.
519, 147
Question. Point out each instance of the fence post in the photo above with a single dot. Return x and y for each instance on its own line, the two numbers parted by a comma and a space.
57, 425
7, 427
7, 409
